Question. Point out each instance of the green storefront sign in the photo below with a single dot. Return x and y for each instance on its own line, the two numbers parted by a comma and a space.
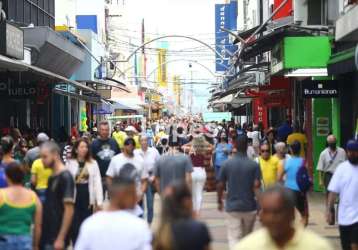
301, 53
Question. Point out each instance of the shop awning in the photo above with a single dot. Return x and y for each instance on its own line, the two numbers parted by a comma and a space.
109, 83
126, 104
343, 62
86, 98
9, 64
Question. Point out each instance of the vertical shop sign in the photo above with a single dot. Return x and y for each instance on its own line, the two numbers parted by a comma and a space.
259, 112
225, 17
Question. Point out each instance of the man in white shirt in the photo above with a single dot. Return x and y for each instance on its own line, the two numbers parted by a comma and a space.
329, 160
150, 156
128, 156
345, 184
116, 228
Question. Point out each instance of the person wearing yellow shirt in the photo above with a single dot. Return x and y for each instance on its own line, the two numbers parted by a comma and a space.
159, 135
132, 133
279, 231
269, 166
297, 135
119, 135
39, 178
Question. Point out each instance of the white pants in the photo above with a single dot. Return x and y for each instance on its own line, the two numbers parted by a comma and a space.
198, 182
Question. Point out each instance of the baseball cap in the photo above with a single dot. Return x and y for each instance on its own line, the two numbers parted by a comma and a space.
42, 137
352, 145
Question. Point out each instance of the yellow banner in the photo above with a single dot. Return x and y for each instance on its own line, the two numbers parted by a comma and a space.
162, 68
176, 89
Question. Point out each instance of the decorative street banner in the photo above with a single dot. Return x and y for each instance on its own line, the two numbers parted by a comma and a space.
225, 17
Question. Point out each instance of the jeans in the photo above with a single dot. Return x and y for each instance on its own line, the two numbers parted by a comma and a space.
150, 202
15, 242
217, 172
198, 182
41, 193
239, 224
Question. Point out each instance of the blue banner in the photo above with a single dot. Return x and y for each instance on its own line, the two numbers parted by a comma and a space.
225, 17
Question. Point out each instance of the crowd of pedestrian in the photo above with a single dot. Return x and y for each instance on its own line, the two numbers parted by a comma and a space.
94, 190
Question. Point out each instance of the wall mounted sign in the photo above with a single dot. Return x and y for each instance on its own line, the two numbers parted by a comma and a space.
320, 89
11, 90
11, 41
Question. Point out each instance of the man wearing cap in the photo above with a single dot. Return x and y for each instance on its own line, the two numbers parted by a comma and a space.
132, 133
345, 184
34, 153
128, 156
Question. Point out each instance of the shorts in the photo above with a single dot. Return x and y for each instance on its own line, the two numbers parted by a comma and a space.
301, 202
349, 235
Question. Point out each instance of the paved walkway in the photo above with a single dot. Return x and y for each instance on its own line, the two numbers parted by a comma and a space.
216, 221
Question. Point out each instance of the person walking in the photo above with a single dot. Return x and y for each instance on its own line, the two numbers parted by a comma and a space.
128, 156
290, 170
198, 176
39, 178
117, 227
344, 184
89, 192
67, 149
150, 156
119, 135
59, 203
171, 167
297, 135
269, 166
178, 229
6, 147
34, 153
330, 158
20, 213
277, 215
221, 154
103, 150
242, 177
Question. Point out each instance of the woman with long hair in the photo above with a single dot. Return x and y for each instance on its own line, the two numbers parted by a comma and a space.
20, 208
89, 191
178, 229
6, 147
197, 156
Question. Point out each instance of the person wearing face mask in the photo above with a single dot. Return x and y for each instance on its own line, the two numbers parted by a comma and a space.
345, 184
329, 160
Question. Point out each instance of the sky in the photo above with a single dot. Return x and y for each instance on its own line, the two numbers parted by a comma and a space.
194, 18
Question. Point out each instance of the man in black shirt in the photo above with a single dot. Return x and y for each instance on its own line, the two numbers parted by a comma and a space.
104, 148
59, 204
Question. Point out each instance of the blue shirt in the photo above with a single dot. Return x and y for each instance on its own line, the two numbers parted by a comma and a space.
3, 182
292, 166
220, 155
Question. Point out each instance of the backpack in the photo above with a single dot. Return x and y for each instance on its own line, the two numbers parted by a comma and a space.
303, 179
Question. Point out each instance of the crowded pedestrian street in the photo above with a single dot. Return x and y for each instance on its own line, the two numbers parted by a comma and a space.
178, 125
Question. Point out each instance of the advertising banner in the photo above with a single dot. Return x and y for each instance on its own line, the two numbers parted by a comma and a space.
225, 17
216, 116
162, 70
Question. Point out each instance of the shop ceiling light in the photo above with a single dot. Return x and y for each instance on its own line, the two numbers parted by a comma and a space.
307, 72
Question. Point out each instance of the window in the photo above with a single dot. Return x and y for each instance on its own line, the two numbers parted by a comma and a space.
322, 12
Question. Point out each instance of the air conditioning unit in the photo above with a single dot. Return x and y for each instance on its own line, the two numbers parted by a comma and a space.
300, 12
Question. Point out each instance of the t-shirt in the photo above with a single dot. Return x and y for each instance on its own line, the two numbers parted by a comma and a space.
240, 174
222, 152
191, 235
103, 151
61, 189
269, 170
303, 239
149, 157
42, 174
171, 168
120, 137
113, 230
292, 165
345, 183
301, 138
120, 160
328, 161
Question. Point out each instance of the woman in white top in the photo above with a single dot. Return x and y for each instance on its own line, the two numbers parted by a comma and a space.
89, 191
